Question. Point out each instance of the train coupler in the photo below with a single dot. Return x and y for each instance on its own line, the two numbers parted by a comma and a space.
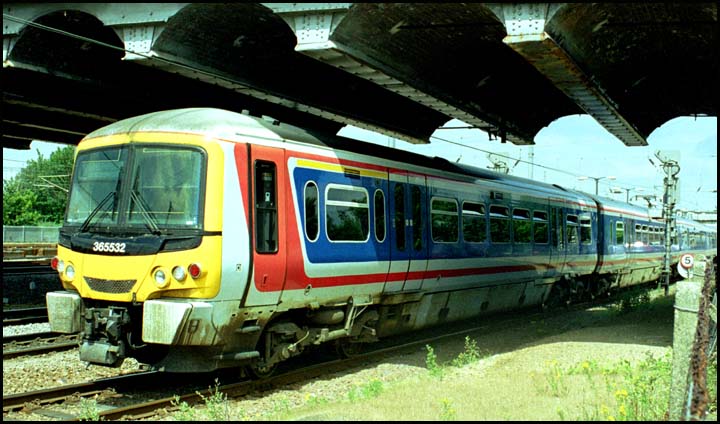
102, 353
103, 337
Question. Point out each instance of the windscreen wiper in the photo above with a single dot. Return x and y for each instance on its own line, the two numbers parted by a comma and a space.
147, 218
86, 224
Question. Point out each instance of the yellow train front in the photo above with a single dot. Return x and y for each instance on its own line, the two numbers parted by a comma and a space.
141, 255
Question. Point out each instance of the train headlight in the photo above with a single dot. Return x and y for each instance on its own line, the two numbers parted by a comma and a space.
60, 265
178, 273
70, 272
161, 279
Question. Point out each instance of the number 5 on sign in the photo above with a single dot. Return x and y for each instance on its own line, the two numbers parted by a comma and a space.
687, 261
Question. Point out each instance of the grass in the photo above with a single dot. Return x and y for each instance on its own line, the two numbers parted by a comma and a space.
371, 389
604, 378
622, 391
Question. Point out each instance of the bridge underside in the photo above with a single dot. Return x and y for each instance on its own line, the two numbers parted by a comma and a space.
398, 69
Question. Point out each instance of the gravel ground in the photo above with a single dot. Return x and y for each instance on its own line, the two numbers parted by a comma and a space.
35, 372
14, 330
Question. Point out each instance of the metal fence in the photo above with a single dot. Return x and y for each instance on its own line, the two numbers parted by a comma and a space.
28, 234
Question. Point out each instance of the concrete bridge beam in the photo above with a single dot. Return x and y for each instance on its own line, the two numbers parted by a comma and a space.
525, 24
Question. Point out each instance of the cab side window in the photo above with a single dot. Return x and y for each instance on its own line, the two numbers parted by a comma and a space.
266, 217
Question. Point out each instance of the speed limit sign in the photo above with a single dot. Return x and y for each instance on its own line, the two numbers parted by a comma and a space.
687, 261
685, 264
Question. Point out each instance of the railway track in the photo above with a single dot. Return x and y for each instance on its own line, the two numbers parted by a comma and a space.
38, 343
28, 267
24, 316
113, 404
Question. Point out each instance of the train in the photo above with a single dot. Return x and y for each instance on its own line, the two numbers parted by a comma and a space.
200, 239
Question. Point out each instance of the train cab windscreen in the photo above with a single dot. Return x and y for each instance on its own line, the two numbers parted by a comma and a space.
148, 188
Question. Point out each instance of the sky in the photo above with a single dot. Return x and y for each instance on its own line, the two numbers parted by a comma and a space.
567, 149
575, 146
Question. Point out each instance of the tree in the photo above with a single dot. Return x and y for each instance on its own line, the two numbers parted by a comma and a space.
38, 194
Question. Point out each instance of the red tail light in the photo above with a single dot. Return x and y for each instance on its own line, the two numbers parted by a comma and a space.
194, 270
54, 262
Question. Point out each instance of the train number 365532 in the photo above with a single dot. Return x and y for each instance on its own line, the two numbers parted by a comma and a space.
101, 246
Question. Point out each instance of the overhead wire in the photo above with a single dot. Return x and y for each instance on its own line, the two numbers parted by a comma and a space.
562, 171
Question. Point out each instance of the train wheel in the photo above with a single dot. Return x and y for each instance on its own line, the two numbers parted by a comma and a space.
558, 296
347, 349
259, 372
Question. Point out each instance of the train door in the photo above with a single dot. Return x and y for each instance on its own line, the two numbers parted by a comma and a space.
621, 238
408, 241
268, 176
572, 242
416, 208
628, 236
557, 241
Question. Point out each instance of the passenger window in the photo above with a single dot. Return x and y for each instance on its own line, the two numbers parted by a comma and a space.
521, 226
540, 227
444, 216
572, 229
379, 208
619, 233
417, 222
474, 222
266, 237
312, 211
399, 221
559, 229
347, 213
499, 224
585, 230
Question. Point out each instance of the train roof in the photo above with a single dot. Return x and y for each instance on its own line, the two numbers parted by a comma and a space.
696, 225
611, 205
224, 124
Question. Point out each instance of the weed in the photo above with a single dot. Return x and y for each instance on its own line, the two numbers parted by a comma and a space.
447, 412
632, 300
639, 392
555, 379
281, 406
370, 390
89, 410
314, 400
469, 355
431, 363
216, 404
373, 389
712, 385
587, 369
649, 389
185, 413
